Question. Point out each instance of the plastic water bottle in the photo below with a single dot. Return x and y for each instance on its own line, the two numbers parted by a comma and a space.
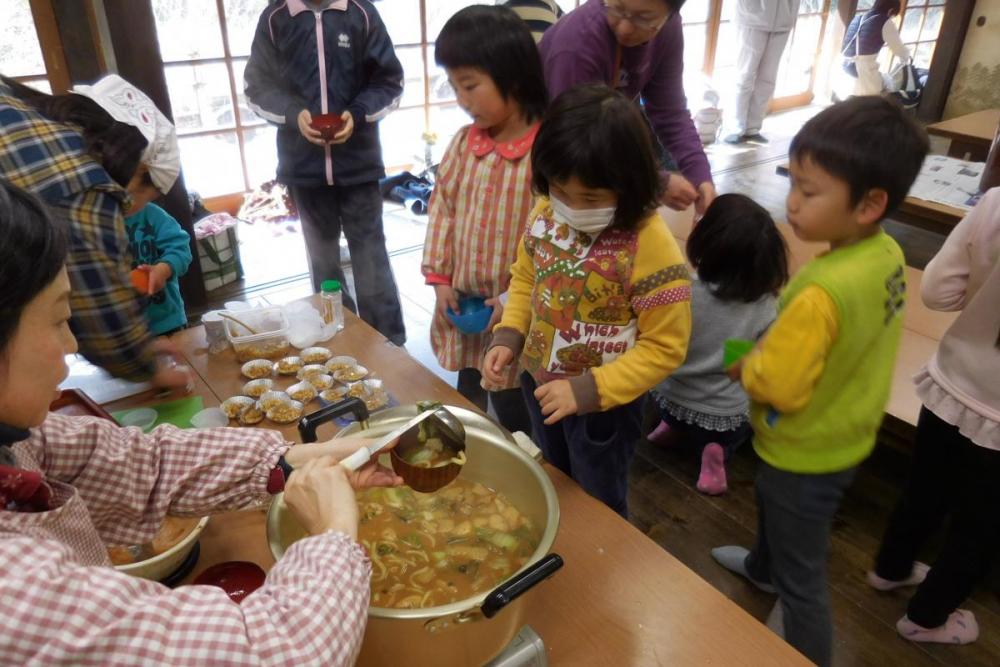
332, 300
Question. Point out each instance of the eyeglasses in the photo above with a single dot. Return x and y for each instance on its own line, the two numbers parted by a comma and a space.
615, 12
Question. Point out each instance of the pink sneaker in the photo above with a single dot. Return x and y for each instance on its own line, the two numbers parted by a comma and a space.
661, 434
960, 628
712, 479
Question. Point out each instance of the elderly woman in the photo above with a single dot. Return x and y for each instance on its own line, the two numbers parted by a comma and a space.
636, 47
71, 485
92, 156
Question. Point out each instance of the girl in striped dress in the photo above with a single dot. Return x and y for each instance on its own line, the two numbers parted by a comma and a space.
482, 196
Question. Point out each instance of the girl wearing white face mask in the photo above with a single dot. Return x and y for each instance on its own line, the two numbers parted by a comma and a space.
599, 299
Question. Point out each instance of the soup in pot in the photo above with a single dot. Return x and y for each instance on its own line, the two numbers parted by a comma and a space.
430, 549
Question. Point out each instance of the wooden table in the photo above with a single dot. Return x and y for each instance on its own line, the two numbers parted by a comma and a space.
917, 212
971, 135
620, 599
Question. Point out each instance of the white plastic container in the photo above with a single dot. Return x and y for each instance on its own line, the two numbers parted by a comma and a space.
271, 339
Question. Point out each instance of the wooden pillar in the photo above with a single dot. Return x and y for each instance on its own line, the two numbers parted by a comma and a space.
951, 38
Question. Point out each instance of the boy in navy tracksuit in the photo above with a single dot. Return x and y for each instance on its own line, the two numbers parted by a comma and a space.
332, 56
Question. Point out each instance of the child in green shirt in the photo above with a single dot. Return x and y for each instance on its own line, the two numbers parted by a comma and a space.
819, 380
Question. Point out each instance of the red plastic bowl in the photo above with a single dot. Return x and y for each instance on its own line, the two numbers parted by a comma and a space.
238, 578
328, 124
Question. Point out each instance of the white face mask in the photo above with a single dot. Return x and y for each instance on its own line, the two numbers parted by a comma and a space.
589, 220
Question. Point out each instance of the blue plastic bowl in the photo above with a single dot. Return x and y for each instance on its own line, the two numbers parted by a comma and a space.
473, 316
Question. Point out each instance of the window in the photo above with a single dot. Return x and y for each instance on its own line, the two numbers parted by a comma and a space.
918, 26
428, 101
205, 44
226, 148
20, 51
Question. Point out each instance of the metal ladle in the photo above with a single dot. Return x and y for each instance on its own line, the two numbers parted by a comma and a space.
445, 421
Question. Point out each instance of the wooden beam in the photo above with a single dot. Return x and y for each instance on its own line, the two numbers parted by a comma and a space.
951, 38
44, 17
80, 40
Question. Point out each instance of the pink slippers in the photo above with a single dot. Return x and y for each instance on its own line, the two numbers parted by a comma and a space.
916, 578
960, 628
712, 479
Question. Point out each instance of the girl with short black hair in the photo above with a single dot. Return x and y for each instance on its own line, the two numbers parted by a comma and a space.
599, 308
482, 195
741, 263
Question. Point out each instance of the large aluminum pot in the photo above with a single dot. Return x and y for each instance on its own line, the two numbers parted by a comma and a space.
459, 633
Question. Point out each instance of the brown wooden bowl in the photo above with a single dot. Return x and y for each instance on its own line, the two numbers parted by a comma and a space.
418, 478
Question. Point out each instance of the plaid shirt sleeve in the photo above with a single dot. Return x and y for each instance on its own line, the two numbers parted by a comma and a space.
51, 161
311, 610
108, 319
130, 481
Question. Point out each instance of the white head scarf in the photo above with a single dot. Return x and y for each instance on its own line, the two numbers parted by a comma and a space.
127, 104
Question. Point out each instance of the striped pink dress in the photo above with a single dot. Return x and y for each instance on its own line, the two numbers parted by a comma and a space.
481, 201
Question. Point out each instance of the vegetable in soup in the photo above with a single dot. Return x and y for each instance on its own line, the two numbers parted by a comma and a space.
430, 549
433, 454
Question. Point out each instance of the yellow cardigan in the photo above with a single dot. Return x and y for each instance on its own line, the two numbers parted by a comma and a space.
624, 296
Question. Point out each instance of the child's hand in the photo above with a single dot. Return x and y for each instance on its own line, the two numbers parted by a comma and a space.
678, 193
735, 370
346, 131
447, 298
557, 400
159, 274
497, 312
305, 120
494, 363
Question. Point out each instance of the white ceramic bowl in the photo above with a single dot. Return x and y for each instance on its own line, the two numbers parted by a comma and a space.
163, 565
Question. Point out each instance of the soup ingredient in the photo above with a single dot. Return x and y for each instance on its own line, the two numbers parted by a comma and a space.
340, 363
334, 394
233, 405
435, 548
434, 454
172, 531
285, 414
237, 578
245, 352
321, 382
256, 388
311, 370
272, 398
303, 391
315, 355
257, 368
352, 374
289, 365
251, 415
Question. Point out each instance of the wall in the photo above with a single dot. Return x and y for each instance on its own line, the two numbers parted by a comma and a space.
976, 85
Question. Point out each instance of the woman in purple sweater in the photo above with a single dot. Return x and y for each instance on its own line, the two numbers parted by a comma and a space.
637, 47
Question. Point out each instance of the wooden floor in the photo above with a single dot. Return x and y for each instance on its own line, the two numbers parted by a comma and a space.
663, 500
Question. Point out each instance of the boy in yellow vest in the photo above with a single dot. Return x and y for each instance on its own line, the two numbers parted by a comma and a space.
820, 378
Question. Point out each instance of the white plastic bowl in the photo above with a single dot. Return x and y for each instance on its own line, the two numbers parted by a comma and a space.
210, 418
143, 418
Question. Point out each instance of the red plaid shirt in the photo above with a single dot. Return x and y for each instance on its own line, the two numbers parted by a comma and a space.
63, 605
